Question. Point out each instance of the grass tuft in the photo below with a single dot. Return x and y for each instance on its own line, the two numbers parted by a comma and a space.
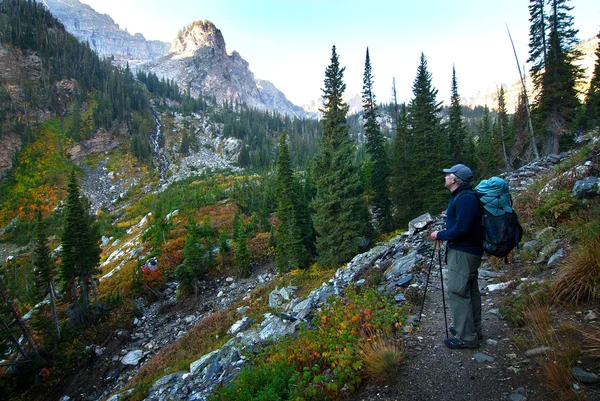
381, 358
579, 279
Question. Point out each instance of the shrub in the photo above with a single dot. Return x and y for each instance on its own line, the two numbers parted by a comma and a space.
578, 281
267, 382
327, 358
557, 206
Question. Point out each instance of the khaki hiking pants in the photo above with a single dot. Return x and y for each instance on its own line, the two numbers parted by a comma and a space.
463, 294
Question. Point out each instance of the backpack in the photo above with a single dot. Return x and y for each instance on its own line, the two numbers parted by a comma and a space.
502, 231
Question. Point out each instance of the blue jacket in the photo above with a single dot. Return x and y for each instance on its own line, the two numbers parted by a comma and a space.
464, 231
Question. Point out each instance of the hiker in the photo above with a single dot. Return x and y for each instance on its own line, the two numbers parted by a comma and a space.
464, 234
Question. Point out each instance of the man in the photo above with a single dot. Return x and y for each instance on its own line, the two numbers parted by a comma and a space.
464, 234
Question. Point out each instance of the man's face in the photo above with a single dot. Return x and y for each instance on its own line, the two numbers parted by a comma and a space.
450, 180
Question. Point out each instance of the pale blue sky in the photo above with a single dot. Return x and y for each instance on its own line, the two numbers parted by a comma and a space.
289, 42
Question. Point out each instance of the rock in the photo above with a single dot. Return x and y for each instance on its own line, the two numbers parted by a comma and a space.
240, 325
401, 267
132, 357
500, 286
203, 362
584, 377
538, 351
404, 282
419, 223
586, 188
480, 357
517, 397
557, 255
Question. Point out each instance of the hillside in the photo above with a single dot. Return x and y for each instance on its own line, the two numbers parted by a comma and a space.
158, 246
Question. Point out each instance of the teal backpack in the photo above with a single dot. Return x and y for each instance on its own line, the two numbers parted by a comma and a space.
502, 231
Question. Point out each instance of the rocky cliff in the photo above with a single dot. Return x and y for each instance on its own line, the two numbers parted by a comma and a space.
198, 61
103, 34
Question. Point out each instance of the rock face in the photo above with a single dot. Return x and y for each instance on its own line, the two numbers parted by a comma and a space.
197, 59
103, 34
199, 63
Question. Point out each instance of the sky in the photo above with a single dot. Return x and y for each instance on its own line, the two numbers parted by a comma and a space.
289, 42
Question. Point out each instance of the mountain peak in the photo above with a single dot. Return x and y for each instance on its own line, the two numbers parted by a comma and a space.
196, 36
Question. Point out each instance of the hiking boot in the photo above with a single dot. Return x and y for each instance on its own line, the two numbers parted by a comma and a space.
455, 343
452, 331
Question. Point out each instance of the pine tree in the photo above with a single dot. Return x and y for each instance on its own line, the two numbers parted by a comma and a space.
427, 154
379, 166
242, 256
487, 159
557, 100
80, 248
193, 267
459, 144
340, 217
538, 49
290, 251
400, 162
43, 266
502, 132
592, 99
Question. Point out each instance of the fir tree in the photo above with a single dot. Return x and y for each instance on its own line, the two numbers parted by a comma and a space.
459, 144
427, 154
487, 160
340, 217
502, 132
592, 99
538, 49
80, 248
557, 98
290, 251
43, 266
242, 256
400, 162
379, 170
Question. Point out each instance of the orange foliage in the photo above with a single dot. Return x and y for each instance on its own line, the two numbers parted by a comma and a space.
221, 215
259, 247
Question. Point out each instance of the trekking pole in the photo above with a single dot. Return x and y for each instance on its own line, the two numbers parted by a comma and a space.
439, 249
427, 279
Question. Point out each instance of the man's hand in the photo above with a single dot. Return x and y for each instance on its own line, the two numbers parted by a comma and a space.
433, 235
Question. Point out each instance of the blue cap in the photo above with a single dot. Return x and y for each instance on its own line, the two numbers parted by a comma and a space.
460, 171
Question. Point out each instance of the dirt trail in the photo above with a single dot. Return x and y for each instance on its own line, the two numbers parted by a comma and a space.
434, 372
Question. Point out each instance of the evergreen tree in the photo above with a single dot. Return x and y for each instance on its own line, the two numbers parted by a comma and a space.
80, 248
487, 159
379, 166
522, 148
43, 266
592, 99
427, 154
400, 162
193, 267
502, 132
538, 49
290, 251
340, 217
459, 143
242, 256
557, 100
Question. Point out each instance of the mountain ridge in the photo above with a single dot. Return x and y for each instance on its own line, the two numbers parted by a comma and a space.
196, 59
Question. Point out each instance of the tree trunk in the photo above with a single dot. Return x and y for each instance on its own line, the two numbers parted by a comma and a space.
53, 305
85, 296
14, 340
530, 124
24, 329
